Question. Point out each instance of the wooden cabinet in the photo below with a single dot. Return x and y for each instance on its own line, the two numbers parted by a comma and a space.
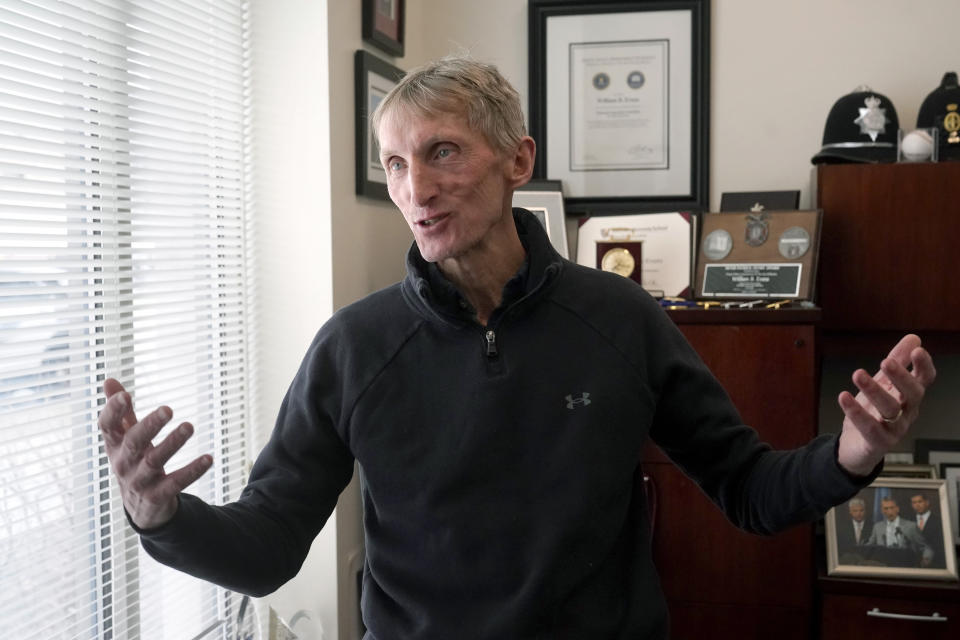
890, 246
854, 609
721, 582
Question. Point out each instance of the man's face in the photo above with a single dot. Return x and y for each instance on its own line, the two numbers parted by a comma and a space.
890, 510
453, 189
920, 504
857, 512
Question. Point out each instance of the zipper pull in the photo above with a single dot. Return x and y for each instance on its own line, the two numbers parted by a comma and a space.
491, 344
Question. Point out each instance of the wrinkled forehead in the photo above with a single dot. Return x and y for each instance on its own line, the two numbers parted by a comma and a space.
400, 116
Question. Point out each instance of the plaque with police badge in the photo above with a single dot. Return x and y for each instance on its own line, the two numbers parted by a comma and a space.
758, 254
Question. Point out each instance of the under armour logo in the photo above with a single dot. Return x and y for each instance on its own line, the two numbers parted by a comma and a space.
572, 402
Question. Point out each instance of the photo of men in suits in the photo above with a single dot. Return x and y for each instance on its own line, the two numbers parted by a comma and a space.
930, 525
853, 531
897, 541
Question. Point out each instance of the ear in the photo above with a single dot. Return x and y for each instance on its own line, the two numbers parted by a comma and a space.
521, 167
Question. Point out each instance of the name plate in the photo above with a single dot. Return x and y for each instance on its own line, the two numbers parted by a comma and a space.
758, 254
752, 280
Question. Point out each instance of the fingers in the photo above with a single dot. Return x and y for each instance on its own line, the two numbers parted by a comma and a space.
111, 418
903, 349
112, 387
886, 404
923, 367
160, 454
188, 474
138, 438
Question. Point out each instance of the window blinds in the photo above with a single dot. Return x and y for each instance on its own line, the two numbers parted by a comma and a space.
121, 254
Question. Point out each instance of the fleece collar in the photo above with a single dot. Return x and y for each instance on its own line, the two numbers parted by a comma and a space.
436, 298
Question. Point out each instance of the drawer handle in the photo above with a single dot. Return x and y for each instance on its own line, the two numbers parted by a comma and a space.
936, 617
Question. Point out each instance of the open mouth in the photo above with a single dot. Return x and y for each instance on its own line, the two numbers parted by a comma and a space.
429, 222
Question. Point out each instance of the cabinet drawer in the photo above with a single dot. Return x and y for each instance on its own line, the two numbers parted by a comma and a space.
853, 617
690, 621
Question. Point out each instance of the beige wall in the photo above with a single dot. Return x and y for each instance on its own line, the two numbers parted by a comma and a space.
777, 66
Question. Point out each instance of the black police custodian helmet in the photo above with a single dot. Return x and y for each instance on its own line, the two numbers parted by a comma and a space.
861, 127
941, 110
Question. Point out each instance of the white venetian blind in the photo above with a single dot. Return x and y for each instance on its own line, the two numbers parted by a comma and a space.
122, 242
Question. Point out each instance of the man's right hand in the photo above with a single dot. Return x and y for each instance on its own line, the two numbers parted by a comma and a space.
149, 493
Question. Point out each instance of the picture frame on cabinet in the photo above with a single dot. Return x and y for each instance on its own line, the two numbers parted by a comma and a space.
889, 543
383, 25
373, 79
544, 199
951, 474
909, 471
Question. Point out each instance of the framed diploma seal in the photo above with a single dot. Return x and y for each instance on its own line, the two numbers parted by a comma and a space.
623, 257
758, 254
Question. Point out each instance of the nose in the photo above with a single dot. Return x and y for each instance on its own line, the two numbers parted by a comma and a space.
422, 183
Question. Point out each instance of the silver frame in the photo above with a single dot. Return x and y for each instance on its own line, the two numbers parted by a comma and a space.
551, 203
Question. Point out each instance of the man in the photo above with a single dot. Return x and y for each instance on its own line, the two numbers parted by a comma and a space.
493, 507
930, 526
896, 533
853, 531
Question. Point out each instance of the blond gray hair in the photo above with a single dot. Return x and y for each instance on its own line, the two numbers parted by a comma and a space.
458, 84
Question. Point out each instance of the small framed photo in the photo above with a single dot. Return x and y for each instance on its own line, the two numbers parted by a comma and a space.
895, 528
936, 452
544, 199
909, 471
951, 474
373, 79
383, 22
944, 455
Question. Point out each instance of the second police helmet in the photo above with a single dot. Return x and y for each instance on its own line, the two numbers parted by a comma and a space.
941, 110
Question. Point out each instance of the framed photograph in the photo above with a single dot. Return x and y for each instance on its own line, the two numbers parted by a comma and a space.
383, 22
909, 471
619, 95
373, 79
936, 452
951, 474
544, 199
895, 528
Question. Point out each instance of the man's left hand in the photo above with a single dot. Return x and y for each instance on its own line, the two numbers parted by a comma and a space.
887, 404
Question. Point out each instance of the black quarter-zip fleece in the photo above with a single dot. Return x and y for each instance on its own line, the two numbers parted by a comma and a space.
501, 490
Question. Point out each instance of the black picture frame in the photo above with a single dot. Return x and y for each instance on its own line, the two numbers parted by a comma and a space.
604, 201
924, 447
373, 78
769, 200
383, 25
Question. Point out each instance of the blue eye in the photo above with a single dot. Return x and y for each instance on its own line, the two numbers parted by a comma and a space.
395, 165
443, 153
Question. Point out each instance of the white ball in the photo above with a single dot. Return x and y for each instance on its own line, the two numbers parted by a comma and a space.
917, 145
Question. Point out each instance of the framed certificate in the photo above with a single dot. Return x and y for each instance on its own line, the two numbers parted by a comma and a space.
373, 79
618, 102
667, 239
